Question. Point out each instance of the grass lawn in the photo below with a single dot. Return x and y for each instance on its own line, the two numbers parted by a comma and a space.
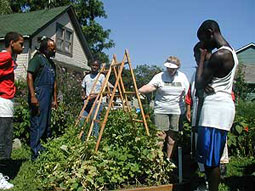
240, 173
22, 172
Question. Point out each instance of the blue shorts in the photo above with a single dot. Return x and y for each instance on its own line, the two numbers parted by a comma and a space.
210, 145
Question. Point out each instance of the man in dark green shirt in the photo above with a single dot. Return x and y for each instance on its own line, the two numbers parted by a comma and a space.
41, 75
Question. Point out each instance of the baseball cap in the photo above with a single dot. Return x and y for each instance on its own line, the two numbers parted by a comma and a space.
172, 62
171, 65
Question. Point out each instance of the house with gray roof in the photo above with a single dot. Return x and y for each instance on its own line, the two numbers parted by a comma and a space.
246, 57
59, 24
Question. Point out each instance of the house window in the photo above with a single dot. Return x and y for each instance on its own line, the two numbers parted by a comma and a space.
64, 39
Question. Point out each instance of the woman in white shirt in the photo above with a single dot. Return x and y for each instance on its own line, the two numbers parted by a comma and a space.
171, 86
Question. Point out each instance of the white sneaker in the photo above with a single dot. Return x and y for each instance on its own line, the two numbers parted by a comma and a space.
202, 187
172, 165
4, 184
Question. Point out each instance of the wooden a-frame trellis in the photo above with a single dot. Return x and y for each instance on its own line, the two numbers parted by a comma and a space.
115, 68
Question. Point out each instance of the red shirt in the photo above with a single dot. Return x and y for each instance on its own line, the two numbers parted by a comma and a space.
7, 86
188, 99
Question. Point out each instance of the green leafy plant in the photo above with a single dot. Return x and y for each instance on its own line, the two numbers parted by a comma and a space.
241, 87
126, 156
21, 122
241, 138
69, 92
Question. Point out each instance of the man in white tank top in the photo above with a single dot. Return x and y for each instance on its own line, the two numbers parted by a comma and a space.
218, 110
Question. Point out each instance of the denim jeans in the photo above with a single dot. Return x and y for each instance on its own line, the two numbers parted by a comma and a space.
40, 117
6, 133
95, 130
40, 122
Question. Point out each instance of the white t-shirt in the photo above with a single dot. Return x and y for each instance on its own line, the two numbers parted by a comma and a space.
89, 81
170, 94
6, 107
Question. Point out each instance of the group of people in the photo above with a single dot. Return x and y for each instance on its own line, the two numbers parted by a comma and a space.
42, 95
209, 94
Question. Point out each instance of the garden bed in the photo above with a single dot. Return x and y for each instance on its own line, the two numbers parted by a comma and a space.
168, 187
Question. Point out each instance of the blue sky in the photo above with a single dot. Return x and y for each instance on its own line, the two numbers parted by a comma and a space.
152, 30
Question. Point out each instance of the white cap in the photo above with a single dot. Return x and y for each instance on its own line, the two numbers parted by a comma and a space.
171, 65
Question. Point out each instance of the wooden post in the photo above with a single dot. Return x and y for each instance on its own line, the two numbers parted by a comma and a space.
87, 100
109, 105
105, 83
137, 94
117, 69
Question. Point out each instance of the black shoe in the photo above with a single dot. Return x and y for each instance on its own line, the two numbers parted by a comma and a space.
203, 186
223, 170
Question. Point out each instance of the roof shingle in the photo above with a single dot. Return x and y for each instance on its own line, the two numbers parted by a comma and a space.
28, 23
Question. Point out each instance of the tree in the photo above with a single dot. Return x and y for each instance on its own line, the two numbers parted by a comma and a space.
87, 11
240, 87
5, 7
144, 73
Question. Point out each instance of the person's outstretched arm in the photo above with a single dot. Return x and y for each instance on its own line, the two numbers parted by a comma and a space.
147, 89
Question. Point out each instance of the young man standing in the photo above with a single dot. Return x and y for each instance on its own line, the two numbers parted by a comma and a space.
41, 75
218, 109
13, 46
87, 84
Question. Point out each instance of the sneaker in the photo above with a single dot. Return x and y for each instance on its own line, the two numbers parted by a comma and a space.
172, 164
223, 170
202, 187
4, 184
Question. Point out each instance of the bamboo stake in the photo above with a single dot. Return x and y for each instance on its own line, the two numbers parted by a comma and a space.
109, 105
105, 84
119, 88
137, 94
93, 106
88, 98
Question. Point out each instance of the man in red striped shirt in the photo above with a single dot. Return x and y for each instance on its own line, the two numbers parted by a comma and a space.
13, 46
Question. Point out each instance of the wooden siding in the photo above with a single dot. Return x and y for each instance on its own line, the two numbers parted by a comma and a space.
21, 70
1, 45
77, 62
247, 57
249, 73
78, 58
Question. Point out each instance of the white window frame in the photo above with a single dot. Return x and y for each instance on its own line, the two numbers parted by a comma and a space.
64, 40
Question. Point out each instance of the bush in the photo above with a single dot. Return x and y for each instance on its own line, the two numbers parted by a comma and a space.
126, 156
21, 121
241, 138
246, 109
69, 98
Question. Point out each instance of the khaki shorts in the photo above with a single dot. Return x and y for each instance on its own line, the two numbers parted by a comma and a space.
166, 122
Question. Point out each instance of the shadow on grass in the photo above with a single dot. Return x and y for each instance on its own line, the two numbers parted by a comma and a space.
191, 179
249, 169
237, 183
12, 167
